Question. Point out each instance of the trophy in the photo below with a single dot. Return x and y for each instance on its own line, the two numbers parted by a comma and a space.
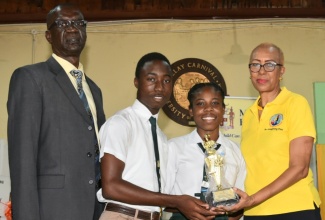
219, 191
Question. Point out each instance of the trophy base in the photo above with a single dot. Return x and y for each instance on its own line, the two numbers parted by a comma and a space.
225, 197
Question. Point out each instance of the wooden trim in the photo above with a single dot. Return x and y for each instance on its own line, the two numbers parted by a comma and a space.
236, 12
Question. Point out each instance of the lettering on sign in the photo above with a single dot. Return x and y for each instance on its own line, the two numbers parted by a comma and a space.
186, 73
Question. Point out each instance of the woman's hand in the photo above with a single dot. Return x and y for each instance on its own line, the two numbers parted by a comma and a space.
244, 202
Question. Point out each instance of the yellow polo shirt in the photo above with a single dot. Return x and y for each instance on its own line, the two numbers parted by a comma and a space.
265, 147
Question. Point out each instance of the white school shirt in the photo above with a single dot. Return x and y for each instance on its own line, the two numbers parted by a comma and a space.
186, 161
127, 135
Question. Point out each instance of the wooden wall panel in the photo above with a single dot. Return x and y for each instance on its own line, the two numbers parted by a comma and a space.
23, 11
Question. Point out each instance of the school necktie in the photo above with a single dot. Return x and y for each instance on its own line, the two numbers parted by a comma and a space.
78, 75
155, 143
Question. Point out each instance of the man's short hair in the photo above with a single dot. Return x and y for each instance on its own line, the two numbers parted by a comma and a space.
147, 58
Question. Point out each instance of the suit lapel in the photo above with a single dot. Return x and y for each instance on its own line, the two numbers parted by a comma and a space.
96, 96
98, 100
92, 90
67, 87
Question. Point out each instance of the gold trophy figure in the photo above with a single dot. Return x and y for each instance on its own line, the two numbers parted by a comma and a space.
219, 192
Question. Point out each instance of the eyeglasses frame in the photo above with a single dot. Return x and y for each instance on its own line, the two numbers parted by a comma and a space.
70, 22
262, 65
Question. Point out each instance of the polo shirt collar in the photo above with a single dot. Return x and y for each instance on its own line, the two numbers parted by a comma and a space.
277, 101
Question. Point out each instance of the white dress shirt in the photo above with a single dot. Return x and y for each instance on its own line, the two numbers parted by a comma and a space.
127, 135
186, 161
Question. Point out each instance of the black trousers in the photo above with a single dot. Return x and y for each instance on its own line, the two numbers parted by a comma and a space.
99, 206
179, 216
313, 214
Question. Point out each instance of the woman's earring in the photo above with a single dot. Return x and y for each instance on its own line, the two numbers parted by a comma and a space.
280, 78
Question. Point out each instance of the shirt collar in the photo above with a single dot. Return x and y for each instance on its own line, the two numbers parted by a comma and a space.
142, 110
195, 137
221, 140
67, 66
277, 101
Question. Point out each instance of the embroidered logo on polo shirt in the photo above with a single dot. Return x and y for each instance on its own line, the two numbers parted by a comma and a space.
276, 120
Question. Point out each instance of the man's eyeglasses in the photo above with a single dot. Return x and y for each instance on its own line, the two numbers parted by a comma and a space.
268, 67
64, 24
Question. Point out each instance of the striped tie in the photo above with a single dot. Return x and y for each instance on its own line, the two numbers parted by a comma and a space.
78, 75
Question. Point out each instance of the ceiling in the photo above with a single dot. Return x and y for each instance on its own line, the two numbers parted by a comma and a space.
28, 11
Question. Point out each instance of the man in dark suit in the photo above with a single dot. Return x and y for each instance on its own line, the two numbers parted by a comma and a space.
53, 123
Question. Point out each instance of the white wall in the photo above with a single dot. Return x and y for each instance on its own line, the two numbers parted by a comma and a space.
113, 49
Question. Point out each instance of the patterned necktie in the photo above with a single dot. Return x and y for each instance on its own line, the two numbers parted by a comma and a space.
155, 143
78, 75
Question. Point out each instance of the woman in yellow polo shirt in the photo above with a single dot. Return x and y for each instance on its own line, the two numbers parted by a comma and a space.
277, 140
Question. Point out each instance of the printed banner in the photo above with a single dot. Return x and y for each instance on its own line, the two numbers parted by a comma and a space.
233, 117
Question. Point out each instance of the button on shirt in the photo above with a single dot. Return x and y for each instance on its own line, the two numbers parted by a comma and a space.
186, 161
127, 136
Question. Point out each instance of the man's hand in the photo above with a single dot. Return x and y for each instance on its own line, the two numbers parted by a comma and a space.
194, 208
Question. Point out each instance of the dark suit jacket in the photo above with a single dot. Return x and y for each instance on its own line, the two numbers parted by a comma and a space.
51, 145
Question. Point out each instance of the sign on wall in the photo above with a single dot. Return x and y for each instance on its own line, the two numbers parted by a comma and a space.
186, 73
190, 71
233, 117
